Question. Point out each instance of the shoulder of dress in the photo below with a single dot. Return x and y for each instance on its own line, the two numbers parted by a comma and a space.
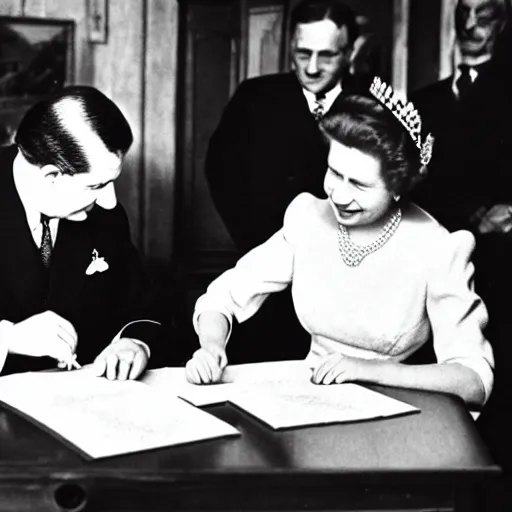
431, 238
302, 212
303, 202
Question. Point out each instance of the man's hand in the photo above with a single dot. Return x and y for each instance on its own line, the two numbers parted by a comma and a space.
497, 220
207, 365
122, 359
44, 334
337, 368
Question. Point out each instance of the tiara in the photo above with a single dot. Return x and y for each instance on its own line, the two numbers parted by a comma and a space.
406, 113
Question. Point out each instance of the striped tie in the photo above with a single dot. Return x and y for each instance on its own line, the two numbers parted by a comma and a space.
319, 108
45, 250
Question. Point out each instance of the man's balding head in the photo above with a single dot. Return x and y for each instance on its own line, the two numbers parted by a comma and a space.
68, 129
71, 150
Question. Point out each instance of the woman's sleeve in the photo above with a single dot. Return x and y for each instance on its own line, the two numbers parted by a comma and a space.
457, 314
240, 291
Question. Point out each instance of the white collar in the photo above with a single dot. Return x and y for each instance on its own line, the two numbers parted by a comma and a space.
473, 73
330, 96
33, 215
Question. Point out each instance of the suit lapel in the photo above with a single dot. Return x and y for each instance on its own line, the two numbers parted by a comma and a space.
19, 262
306, 126
70, 258
296, 105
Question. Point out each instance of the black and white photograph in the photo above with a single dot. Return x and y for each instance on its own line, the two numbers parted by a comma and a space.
256, 255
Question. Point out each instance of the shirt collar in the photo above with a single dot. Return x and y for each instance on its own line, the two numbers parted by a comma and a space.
22, 187
473, 68
330, 96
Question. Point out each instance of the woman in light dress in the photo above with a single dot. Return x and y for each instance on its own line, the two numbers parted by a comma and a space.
373, 276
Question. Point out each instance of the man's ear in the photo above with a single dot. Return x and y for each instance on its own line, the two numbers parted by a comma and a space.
50, 172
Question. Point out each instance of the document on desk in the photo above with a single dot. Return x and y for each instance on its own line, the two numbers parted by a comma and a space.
242, 376
103, 418
312, 404
281, 394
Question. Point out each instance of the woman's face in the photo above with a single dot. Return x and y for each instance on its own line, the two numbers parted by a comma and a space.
354, 186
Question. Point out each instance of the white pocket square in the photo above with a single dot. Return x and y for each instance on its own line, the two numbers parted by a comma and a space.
97, 264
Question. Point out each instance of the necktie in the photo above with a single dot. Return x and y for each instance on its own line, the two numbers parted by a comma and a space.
45, 251
464, 81
318, 110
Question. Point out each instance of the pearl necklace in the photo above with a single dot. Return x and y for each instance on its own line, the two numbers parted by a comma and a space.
353, 253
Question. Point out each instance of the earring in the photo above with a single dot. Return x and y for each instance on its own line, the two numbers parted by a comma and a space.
396, 199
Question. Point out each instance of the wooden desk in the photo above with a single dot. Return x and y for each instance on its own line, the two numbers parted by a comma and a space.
422, 462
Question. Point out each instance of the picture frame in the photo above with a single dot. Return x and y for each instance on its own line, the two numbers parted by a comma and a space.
36, 60
97, 21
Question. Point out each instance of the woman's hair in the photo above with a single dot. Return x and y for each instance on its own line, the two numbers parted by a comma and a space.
363, 123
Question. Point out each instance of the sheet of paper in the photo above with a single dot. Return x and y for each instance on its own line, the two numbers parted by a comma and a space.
310, 404
105, 418
173, 382
281, 394
251, 376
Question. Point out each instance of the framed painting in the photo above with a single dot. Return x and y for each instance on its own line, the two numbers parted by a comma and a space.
36, 60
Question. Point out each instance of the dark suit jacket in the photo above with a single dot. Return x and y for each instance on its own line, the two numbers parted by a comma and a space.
97, 305
470, 168
448, 191
266, 150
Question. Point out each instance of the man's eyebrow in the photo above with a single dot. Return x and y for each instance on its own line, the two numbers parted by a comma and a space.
489, 5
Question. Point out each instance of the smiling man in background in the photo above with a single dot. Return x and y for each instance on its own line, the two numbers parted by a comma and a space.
71, 284
459, 113
268, 148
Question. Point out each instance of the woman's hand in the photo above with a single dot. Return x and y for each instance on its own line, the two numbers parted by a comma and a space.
336, 368
207, 365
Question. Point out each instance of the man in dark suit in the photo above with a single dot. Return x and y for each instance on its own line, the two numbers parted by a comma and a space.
268, 148
465, 113
469, 185
72, 287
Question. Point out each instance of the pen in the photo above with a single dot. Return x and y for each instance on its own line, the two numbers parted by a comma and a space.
73, 363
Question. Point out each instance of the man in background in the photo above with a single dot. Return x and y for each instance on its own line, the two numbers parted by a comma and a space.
72, 288
469, 132
268, 148
469, 185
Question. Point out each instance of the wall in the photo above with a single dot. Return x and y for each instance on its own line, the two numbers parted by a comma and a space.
137, 69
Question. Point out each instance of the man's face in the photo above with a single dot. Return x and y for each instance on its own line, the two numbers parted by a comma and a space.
320, 53
72, 197
477, 24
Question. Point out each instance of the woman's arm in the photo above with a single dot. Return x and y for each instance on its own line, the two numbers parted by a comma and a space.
451, 378
445, 377
208, 363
